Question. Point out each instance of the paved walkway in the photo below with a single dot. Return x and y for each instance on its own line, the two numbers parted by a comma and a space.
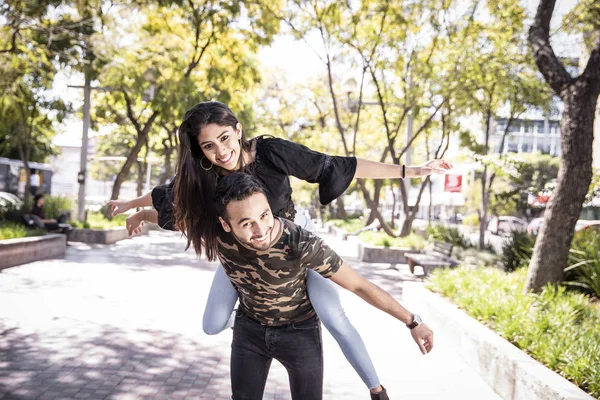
124, 322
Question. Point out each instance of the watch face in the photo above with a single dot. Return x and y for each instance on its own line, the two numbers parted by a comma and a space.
417, 319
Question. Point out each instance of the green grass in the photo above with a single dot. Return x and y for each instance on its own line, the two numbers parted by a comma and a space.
11, 230
380, 238
411, 241
557, 327
350, 226
96, 220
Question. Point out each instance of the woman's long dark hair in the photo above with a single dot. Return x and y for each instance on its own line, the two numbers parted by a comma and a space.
194, 187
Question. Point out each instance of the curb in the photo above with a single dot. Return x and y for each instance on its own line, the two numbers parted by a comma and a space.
20, 251
104, 236
512, 373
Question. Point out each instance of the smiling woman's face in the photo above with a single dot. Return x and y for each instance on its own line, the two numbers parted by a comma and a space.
221, 145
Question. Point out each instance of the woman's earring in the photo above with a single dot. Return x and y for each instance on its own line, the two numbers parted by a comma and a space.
206, 169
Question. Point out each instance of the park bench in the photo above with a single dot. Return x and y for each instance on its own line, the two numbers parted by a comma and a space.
439, 254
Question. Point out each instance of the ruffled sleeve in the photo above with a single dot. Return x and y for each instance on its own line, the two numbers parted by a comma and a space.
333, 173
162, 200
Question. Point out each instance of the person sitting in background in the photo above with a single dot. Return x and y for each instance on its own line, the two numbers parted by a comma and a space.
51, 225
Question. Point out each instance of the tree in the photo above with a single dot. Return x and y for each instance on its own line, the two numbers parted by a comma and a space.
31, 40
382, 44
580, 96
523, 174
202, 57
498, 74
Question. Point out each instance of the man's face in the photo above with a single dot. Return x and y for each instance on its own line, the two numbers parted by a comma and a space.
251, 221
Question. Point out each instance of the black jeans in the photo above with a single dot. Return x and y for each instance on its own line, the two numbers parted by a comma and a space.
296, 346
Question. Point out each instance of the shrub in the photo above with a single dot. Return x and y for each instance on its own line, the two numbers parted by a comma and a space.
559, 328
54, 206
474, 257
12, 230
449, 235
471, 220
583, 271
10, 212
516, 251
350, 226
96, 220
411, 241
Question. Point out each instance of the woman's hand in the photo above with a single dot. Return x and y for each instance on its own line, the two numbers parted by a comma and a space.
135, 223
434, 167
119, 206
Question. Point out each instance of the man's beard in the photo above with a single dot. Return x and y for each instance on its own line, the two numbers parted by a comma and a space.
253, 245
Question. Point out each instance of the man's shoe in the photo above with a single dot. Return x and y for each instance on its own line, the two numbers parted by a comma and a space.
380, 396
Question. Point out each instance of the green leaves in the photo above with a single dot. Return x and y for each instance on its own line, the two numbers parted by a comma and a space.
559, 328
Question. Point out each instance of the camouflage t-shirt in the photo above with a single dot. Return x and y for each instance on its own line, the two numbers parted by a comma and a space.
272, 283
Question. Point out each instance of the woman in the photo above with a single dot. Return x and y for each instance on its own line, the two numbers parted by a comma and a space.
212, 144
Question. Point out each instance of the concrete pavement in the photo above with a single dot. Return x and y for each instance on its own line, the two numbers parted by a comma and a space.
124, 322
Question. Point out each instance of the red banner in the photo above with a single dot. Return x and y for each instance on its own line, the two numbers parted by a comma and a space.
453, 183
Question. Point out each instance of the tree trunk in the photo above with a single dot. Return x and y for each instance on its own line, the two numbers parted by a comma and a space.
124, 172
376, 196
485, 188
394, 201
430, 212
169, 149
168, 171
484, 209
409, 218
341, 208
580, 95
371, 204
25, 153
551, 252
316, 206
140, 178
411, 214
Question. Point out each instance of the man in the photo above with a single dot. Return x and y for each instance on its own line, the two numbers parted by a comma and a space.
266, 259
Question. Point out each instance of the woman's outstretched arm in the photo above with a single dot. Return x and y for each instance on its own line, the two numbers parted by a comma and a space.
121, 206
377, 170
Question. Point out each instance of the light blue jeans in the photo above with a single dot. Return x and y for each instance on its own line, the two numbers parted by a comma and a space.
325, 299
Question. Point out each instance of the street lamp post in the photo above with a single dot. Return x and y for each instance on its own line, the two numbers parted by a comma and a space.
84, 147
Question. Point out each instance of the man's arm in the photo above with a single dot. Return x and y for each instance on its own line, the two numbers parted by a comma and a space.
349, 279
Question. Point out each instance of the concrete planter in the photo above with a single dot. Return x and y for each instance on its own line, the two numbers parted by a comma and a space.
509, 371
370, 253
25, 250
335, 231
103, 236
379, 254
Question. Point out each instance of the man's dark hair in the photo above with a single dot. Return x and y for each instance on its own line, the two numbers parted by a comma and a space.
37, 197
235, 187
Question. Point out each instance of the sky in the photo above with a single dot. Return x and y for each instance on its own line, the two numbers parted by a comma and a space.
295, 57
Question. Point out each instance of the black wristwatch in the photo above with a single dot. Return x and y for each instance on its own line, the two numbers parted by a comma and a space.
416, 322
